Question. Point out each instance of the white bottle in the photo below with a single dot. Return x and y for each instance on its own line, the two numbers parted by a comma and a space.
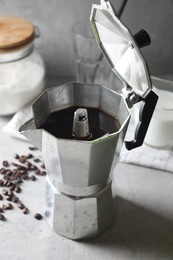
22, 71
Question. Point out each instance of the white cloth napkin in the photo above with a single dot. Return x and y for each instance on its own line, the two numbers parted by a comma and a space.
147, 156
12, 127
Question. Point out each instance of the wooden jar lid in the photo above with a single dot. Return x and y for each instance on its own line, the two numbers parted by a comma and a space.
14, 32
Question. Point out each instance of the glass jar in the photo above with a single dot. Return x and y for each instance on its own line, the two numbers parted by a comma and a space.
22, 71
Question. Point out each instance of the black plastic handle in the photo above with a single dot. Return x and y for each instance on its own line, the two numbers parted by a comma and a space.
145, 116
142, 38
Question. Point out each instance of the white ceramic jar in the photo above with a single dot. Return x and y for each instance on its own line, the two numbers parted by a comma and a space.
22, 71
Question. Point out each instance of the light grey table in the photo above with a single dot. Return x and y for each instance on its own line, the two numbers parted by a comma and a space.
143, 226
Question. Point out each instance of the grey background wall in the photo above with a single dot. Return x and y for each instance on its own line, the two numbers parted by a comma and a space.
56, 17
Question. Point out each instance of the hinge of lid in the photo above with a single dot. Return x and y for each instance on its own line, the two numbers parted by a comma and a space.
130, 96
107, 6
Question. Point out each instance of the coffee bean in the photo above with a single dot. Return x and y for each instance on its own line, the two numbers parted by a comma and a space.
24, 177
33, 178
43, 173
2, 217
20, 205
18, 189
4, 191
22, 158
21, 167
29, 164
5, 163
9, 172
29, 156
43, 166
37, 172
8, 184
10, 192
9, 198
12, 187
37, 160
2, 171
25, 211
22, 172
33, 148
4, 207
17, 181
15, 199
38, 216
9, 206
33, 168
16, 156
5, 182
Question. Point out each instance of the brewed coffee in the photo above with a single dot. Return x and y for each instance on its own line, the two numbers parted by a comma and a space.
60, 123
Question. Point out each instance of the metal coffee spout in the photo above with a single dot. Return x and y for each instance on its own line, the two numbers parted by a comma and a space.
31, 133
80, 125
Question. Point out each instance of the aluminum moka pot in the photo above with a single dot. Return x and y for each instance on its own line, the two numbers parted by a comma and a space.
80, 164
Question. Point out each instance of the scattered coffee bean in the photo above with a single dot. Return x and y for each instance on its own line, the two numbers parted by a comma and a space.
43, 166
5, 191
33, 178
18, 189
33, 167
33, 148
2, 217
9, 206
37, 172
43, 173
38, 216
25, 211
15, 199
24, 177
9, 173
29, 156
2, 171
13, 175
12, 187
4, 207
6, 182
5, 163
10, 192
37, 160
16, 156
22, 158
20, 205
21, 167
9, 198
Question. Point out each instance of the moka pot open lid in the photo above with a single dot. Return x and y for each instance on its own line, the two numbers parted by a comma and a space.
120, 49
127, 62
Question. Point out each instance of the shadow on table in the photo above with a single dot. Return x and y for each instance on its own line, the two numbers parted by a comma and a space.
137, 231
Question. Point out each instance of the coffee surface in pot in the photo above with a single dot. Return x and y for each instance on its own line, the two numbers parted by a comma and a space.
60, 123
